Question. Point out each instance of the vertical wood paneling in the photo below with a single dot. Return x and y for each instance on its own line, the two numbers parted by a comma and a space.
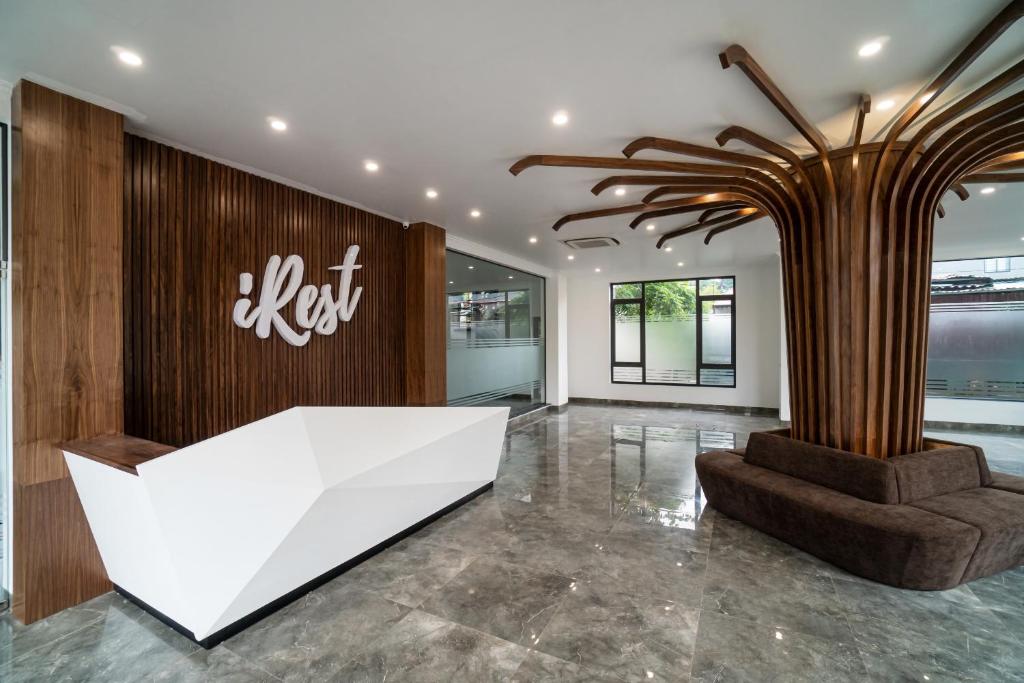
67, 333
191, 227
425, 355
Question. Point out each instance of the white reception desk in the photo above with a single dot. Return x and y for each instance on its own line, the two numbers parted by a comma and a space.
214, 536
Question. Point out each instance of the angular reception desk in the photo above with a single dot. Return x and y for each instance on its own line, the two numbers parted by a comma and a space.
214, 536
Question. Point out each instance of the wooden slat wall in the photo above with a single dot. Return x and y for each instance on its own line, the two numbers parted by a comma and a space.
191, 226
66, 328
426, 315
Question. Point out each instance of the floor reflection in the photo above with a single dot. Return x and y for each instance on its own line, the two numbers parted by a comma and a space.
594, 558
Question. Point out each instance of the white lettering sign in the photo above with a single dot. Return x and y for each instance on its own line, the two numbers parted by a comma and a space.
315, 309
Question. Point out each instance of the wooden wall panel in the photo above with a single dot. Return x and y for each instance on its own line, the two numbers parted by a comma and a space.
191, 227
426, 315
66, 255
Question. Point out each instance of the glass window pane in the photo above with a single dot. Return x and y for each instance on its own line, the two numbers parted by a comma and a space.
716, 332
630, 290
670, 331
627, 333
716, 285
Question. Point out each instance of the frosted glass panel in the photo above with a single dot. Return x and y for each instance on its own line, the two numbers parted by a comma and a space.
976, 329
670, 330
716, 332
496, 349
627, 333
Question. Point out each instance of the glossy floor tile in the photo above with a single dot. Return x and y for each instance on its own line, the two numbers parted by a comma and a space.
594, 558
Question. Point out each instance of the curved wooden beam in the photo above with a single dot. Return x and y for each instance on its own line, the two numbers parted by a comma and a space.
976, 178
735, 54
686, 208
769, 168
654, 207
695, 227
729, 226
1005, 162
981, 42
960, 191
703, 188
633, 180
622, 164
710, 212
759, 141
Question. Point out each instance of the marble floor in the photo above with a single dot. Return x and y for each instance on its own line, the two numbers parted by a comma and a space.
593, 559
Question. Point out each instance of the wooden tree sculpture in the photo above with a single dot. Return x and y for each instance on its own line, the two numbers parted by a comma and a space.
855, 227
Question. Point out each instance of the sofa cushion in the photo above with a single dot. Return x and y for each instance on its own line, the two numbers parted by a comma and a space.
867, 478
1007, 482
979, 452
896, 544
997, 514
935, 472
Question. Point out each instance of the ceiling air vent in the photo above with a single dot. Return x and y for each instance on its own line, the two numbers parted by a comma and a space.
591, 242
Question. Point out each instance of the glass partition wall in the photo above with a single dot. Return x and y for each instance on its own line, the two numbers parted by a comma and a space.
495, 335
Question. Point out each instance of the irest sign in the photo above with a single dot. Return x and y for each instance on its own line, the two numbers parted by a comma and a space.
315, 309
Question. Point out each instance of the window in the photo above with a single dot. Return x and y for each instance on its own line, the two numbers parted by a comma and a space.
675, 332
997, 265
976, 329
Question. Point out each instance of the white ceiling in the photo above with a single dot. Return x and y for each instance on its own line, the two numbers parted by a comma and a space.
448, 93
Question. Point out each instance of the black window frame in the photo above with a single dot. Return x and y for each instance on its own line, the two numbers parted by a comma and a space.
698, 348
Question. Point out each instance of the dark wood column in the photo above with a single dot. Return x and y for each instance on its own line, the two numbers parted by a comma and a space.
425, 314
67, 378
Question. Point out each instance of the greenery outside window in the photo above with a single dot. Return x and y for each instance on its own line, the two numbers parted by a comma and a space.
674, 332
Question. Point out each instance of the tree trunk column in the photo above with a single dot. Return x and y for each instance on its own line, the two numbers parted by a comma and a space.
857, 295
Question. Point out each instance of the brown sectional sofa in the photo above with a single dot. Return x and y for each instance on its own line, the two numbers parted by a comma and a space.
929, 521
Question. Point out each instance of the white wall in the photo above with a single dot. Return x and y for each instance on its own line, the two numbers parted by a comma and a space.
974, 412
556, 374
758, 318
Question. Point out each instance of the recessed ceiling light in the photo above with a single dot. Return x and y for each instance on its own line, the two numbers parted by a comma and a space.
651, 226
451, 282
533, 240
127, 56
870, 49
475, 213
560, 118
371, 165
510, 277
885, 105
597, 270
988, 190
573, 258
471, 267
277, 124
668, 248
431, 193
619, 191
680, 264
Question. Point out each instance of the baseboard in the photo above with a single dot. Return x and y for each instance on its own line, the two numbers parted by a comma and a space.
253, 617
703, 407
942, 426
534, 415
